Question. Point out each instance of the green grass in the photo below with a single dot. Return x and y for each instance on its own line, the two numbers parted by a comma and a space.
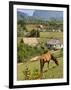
52, 73
21, 68
51, 35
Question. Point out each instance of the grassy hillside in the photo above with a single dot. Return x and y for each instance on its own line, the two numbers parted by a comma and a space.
53, 71
34, 69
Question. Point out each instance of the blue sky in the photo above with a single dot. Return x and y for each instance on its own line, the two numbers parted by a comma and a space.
28, 11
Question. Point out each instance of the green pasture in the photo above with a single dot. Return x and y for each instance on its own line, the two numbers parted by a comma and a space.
51, 35
34, 69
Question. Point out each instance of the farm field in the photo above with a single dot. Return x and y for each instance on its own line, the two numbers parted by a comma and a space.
50, 35
52, 73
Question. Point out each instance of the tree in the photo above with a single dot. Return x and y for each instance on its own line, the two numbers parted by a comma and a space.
21, 28
55, 24
20, 32
34, 33
20, 53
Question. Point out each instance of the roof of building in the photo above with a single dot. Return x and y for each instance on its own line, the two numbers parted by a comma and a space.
31, 41
54, 42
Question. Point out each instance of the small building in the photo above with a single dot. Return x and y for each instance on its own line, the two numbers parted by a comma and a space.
55, 44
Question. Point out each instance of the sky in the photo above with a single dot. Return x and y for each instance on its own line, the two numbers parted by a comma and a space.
27, 11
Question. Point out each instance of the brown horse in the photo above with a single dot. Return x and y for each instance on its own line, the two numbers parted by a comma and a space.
46, 57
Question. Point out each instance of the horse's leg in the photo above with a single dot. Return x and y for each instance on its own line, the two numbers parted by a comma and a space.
41, 68
48, 64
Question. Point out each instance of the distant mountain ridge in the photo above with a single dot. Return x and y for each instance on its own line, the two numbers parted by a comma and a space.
48, 14
21, 15
40, 14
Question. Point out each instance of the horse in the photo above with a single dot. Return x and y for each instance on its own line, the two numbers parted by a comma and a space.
45, 58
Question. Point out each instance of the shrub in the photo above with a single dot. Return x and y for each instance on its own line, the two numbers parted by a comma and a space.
26, 73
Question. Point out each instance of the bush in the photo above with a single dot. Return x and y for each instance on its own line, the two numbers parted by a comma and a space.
26, 73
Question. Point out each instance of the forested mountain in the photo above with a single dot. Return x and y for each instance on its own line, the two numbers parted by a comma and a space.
47, 15
40, 15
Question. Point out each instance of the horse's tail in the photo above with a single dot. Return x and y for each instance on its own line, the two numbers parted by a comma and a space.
55, 60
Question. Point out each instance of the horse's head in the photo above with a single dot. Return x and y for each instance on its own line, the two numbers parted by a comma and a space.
55, 60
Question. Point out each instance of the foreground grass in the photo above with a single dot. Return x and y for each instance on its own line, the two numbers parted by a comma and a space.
52, 73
